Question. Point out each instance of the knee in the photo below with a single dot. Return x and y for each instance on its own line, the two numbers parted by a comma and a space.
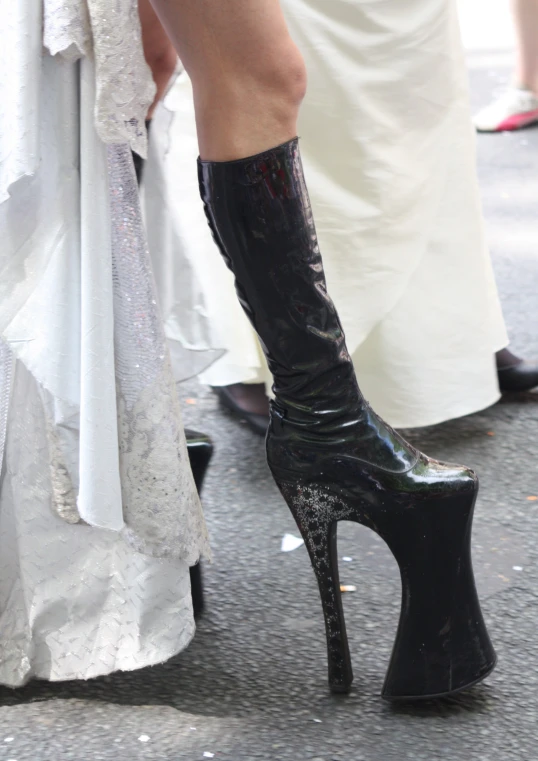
275, 79
284, 76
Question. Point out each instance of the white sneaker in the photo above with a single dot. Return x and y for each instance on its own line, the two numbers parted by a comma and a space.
516, 108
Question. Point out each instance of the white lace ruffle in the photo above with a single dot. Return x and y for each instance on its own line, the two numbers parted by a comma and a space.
110, 31
75, 602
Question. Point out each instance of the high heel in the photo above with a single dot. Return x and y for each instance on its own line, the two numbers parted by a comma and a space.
200, 451
317, 513
332, 457
441, 645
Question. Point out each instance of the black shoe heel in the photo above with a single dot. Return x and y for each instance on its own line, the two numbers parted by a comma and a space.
442, 645
200, 451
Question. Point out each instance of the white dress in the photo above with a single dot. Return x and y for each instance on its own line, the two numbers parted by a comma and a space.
99, 516
389, 156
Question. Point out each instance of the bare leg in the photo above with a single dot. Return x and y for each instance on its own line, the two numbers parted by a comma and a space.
525, 14
248, 402
159, 52
248, 80
518, 106
248, 76
160, 56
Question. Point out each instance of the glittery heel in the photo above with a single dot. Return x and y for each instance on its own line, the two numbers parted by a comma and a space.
316, 519
442, 645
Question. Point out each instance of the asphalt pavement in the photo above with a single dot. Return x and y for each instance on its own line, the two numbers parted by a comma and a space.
252, 685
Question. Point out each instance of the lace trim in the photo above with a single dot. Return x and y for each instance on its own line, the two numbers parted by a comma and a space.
160, 506
110, 30
67, 29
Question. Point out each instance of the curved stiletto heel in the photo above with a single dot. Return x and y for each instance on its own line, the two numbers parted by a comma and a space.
332, 457
316, 513
200, 450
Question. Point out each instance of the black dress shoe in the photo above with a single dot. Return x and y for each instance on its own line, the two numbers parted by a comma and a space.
520, 377
256, 422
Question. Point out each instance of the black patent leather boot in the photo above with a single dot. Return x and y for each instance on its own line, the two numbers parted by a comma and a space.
200, 451
332, 457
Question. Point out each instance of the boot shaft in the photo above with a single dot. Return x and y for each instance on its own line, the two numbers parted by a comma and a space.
260, 215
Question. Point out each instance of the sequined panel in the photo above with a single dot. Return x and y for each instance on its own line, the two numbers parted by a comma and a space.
6, 369
140, 345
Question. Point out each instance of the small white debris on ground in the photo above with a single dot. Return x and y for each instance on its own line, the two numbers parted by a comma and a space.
291, 542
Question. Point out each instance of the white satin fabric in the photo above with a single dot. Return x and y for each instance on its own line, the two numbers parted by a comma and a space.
99, 516
389, 156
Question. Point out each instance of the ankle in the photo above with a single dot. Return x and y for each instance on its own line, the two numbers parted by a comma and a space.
505, 358
525, 82
250, 397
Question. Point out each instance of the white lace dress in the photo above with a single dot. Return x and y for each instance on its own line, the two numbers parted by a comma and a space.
99, 516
